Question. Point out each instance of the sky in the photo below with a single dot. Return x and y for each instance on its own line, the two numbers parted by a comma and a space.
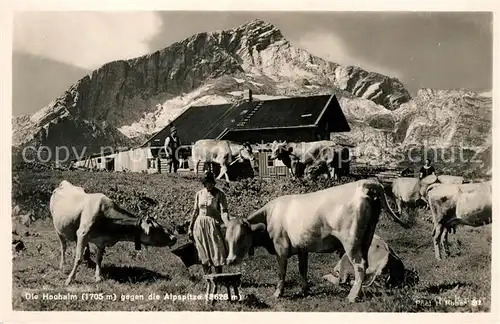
424, 50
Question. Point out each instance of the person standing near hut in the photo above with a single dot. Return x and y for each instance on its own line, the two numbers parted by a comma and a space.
427, 169
210, 215
172, 143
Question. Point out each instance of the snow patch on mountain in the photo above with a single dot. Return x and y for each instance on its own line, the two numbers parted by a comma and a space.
167, 112
172, 108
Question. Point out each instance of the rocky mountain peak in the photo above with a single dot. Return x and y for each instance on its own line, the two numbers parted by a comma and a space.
259, 30
137, 97
427, 93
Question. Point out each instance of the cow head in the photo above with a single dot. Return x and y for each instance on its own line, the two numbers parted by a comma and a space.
394, 270
151, 233
246, 153
383, 263
316, 169
279, 150
239, 234
283, 152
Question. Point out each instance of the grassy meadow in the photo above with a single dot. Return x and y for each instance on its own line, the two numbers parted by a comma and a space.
133, 276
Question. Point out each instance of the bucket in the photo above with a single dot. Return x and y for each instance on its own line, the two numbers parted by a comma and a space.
188, 254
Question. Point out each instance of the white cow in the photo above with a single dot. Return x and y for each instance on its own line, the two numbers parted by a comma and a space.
221, 152
311, 154
314, 222
408, 190
94, 218
458, 204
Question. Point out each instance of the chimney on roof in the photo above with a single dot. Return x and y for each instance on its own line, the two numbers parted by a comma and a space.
247, 95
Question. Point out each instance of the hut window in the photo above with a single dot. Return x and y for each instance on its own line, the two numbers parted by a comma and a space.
270, 163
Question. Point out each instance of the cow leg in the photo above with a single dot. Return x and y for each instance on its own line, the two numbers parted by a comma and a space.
64, 245
282, 264
332, 172
82, 240
426, 203
220, 174
341, 269
329, 173
359, 263
99, 255
223, 172
444, 242
86, 255
356, 248
196, 165
303, 261
438, 231
399, 205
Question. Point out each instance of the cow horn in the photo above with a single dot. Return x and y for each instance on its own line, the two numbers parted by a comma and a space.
385, 203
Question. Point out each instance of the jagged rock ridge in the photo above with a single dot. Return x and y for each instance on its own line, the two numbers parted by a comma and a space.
140, 96
122, 92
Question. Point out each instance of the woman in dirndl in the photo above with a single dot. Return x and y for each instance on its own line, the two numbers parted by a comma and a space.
209, 217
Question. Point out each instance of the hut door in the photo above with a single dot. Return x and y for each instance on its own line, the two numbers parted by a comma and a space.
110, 164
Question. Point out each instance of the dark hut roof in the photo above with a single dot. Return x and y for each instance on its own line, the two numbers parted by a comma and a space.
192, 125
214, 121
288, 112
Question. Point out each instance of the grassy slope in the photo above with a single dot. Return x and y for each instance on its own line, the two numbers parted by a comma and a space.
154, 270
